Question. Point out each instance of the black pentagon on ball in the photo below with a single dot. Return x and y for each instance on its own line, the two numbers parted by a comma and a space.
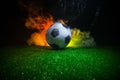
55, 32
67, 39
55, 46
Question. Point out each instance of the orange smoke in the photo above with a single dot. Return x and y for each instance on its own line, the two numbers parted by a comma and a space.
41, 24
38, 19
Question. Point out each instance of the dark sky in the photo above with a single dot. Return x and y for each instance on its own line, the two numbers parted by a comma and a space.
105, 29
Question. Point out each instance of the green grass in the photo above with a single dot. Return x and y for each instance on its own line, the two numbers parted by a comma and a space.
41, 63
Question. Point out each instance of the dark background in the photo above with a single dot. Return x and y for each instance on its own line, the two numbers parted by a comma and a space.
103, 26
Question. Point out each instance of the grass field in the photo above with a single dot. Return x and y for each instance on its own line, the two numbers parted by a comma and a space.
42, 63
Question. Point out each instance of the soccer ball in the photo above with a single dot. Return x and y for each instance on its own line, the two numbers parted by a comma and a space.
58, 35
